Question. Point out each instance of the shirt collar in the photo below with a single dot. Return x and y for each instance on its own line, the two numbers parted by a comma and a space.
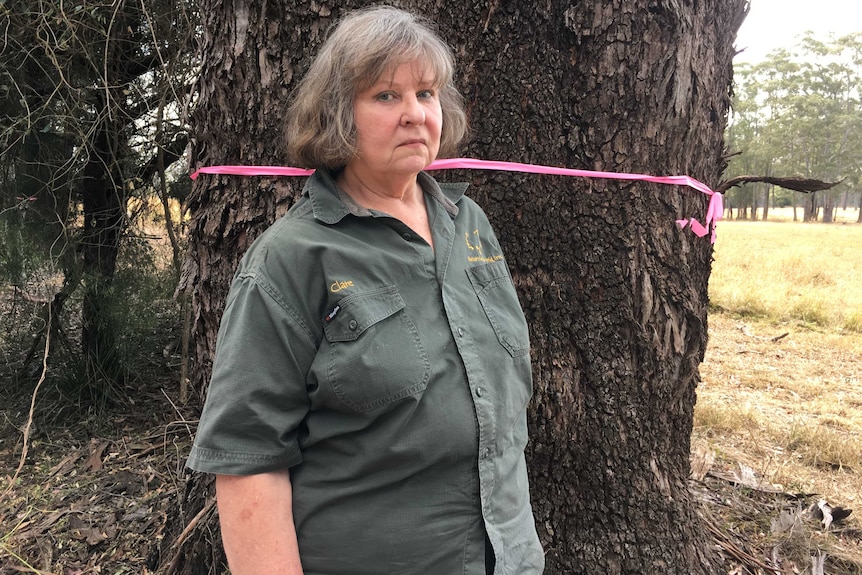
330, 204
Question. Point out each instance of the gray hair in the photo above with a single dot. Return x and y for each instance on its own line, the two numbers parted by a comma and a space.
365, 45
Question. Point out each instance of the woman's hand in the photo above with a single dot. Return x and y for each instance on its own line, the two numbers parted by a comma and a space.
256, 516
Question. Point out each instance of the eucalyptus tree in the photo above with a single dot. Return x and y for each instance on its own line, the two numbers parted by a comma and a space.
615, 294
92, 95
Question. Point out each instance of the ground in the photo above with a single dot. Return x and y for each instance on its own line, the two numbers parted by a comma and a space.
96, 490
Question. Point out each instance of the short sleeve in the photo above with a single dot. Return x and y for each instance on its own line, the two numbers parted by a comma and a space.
257, 398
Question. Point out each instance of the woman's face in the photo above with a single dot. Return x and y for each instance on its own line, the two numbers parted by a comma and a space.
398, 122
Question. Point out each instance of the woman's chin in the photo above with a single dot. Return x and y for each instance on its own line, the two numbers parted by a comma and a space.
412, 165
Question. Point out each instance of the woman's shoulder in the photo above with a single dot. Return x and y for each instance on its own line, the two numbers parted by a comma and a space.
282, 243
289, 228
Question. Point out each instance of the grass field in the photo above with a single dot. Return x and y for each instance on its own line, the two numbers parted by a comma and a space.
809, 273
842, 215
781, 396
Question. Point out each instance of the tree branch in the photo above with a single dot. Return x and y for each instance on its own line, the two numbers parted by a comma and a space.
797, 184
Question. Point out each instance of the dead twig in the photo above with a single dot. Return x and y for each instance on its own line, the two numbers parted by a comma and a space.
740, 554
178, 544
744, 330
29, 424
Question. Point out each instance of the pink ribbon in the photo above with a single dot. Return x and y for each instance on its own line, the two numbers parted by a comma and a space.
714, 212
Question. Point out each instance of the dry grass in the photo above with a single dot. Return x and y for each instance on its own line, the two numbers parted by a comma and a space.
848, 215
809, 273
790, 409
781, 393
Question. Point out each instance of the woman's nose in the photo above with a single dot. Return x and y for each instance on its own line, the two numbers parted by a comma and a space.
413, 112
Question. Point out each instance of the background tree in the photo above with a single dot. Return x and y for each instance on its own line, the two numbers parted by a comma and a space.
799, 113
92, 95
616, 296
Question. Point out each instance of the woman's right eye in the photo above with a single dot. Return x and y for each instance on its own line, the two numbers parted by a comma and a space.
385, 97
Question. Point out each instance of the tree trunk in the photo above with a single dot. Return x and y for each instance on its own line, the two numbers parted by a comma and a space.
766, 194
250, 52
812, 206
104, 206
828, 208
755, 203
106, 185
615, 293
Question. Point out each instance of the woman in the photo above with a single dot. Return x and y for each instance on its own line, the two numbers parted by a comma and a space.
366, 413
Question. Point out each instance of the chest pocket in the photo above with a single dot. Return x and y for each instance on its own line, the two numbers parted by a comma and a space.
375, 355
496, 293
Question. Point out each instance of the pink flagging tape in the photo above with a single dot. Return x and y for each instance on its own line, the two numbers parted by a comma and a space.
714, 212
253, 171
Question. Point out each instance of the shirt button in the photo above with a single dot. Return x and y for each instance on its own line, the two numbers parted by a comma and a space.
460, 332
486, 453
407, 236
479, 392
352, 325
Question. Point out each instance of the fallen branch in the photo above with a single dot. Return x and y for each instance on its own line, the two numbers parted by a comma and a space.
806, 185
178, 544
20, 293
744, 330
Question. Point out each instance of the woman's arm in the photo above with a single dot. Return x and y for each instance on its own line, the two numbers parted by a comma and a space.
257, 527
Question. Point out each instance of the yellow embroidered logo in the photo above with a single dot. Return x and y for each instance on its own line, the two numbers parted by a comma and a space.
476, 248
338, 286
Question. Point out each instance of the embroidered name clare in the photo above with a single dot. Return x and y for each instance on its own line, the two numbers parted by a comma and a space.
339, 285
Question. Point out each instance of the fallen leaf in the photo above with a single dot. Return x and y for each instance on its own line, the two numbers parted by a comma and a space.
94, 462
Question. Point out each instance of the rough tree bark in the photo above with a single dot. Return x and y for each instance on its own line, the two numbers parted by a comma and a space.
250, 54
615, 294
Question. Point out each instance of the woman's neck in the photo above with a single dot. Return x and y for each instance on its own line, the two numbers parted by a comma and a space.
380, 192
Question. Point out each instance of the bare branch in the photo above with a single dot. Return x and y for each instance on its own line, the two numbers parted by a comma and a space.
797, 184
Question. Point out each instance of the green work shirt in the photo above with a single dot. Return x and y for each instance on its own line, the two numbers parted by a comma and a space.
390, 377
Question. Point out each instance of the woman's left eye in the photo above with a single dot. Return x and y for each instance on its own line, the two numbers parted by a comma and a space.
426, 94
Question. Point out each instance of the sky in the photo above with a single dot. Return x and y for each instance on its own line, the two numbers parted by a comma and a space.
775, 24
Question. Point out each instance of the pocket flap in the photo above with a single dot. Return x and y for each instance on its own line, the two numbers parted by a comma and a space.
360, 311
481, 276
496, 292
